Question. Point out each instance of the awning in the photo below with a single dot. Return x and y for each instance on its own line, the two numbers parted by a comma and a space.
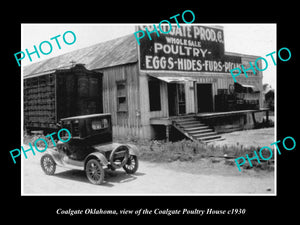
173, 79
245, 88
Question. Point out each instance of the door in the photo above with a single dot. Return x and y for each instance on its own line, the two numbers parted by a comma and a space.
204, 97
176, 99
181, 99
172, 99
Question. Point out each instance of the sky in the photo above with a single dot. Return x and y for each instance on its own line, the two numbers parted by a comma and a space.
253, 39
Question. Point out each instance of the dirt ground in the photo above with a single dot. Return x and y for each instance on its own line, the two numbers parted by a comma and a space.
203, 177
206, 176
256, 137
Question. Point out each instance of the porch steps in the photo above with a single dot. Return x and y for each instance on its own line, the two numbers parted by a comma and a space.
196, 130
193, 125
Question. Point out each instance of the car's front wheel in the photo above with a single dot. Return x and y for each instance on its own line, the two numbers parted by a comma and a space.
48, 165
131, 165
94, 171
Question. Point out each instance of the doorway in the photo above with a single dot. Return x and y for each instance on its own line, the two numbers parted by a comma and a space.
176, 99
204, 97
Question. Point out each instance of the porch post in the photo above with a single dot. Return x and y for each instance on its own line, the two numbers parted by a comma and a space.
168, 127
253, 118
195, 97
267, 115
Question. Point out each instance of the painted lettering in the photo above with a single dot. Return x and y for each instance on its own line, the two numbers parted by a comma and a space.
163, 29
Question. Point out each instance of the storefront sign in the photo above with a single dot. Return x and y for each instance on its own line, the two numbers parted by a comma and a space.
140, 34
188, 48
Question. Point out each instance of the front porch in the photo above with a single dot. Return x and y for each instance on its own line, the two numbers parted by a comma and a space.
206, 127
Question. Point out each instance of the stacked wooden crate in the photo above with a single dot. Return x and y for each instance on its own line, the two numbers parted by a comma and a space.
63, 93
39, 101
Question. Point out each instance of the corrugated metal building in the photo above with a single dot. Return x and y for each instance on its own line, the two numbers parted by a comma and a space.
147, 103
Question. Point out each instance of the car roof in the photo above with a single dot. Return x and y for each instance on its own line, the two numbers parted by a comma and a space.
86, 116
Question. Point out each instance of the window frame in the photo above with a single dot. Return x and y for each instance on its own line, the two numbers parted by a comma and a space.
121, 96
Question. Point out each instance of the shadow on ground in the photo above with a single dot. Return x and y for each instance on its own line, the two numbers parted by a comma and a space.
111, 177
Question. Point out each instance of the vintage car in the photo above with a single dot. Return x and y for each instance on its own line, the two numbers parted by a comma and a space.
90, 148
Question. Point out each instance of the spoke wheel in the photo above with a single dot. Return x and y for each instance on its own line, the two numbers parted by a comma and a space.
119, 162
48, 165
131, 165
94, 171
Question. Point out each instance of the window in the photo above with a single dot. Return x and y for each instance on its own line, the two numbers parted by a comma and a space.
72, 127
99, 124
75, 128
121, 96
154, 95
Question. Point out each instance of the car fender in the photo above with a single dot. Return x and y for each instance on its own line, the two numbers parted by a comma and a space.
99, 156
133, 150
55, 155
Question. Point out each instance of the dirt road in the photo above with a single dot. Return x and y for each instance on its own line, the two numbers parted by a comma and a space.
151, 178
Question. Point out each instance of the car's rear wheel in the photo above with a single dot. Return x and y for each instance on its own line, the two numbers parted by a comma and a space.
48, 164
94, 171
131, 165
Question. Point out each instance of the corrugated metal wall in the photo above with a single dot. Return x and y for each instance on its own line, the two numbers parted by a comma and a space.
125, 123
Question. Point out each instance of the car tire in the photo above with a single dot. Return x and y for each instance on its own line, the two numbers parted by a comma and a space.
112, 155
94, 171
131, 165
48, 164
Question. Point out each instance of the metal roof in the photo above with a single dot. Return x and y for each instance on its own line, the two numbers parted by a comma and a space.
119, 51
172, 79
86, 116
115, 52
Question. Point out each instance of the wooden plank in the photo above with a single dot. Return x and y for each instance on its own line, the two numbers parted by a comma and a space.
189, 97
127, 121
160, 121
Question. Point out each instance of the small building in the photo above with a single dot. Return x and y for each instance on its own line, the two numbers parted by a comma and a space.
177, 83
